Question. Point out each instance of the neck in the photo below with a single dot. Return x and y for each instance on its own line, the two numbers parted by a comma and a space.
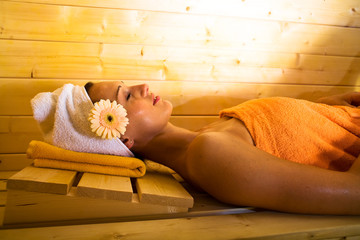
168, 148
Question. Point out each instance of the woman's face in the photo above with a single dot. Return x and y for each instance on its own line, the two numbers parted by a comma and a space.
148, 114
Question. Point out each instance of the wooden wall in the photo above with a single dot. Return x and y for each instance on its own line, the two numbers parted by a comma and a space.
203, 55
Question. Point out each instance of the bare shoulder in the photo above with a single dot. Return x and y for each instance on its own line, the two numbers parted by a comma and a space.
208, 145
212, 152
215, 143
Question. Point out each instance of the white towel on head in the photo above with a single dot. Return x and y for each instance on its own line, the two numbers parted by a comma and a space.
63, 119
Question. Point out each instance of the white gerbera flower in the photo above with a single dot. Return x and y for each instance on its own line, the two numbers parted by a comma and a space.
108, 119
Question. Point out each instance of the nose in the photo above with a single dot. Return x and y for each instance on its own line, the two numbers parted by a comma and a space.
144, 89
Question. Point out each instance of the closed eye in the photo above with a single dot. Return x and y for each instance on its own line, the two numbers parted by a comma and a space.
128, 96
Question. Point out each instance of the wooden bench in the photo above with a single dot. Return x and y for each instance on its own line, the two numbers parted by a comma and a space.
154, 207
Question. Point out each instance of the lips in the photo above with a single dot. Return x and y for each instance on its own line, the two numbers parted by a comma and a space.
156, 99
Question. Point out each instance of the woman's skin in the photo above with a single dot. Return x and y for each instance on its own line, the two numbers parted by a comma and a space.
222, 160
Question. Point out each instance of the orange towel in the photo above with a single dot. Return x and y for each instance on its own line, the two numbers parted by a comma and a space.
46, 155
302, 131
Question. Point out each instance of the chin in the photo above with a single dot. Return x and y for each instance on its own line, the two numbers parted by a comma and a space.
170, 106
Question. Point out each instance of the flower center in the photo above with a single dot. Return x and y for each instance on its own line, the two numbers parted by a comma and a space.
109, 119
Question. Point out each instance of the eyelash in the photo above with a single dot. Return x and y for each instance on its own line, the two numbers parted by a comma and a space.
128, 96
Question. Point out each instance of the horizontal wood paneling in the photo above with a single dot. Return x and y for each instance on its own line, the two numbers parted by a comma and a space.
59, 23
37, 59
16, 142
14, 162
331, 12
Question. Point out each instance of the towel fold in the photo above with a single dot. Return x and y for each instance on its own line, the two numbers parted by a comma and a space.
46, 155
302, 131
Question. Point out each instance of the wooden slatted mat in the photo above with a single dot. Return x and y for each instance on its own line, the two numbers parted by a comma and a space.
41, 195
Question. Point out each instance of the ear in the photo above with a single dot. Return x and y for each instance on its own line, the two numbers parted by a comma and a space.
127, 141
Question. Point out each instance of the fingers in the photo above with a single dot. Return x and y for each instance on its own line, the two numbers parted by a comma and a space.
354, 98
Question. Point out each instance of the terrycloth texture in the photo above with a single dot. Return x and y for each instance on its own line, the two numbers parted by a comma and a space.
302, 131
46, 155
63, 118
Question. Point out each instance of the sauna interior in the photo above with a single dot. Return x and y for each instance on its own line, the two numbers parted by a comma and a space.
202, 55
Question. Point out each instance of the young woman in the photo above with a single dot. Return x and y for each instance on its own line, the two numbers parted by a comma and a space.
225, 160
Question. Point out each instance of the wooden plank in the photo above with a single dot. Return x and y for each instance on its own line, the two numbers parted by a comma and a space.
259, 225
39, 59
188, 98
2, 211
105, 186
307, 11
16, 142
23, 124
4, 175
42, 180
2, 185
20, 124
14, 162
3, 198
4, 124
162, 189
153, 28
31, 207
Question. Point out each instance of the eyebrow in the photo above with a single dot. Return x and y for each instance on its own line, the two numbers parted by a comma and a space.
117, 91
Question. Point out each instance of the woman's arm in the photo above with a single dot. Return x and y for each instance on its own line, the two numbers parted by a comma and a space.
351, 99
238, 173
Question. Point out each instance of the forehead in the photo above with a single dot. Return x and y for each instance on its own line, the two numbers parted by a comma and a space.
104, 90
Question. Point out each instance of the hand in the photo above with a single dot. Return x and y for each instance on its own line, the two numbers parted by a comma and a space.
355, 168
351, 99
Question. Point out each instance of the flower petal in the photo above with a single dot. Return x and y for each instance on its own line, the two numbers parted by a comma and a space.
108, 119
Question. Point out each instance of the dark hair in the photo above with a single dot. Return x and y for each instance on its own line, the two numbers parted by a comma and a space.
87, 86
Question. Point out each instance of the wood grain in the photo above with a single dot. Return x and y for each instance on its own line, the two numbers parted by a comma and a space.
307, 11
260, 225
32, 207
105, 187
42, 180
43, 59
163, 189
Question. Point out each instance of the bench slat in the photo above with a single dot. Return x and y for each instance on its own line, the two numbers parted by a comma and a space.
33, 207
162, 189
105, 186
42, 180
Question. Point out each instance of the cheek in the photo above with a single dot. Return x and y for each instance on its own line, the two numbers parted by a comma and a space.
146, 120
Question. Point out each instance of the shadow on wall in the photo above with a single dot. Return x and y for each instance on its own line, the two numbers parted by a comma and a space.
206, 105
346, 69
